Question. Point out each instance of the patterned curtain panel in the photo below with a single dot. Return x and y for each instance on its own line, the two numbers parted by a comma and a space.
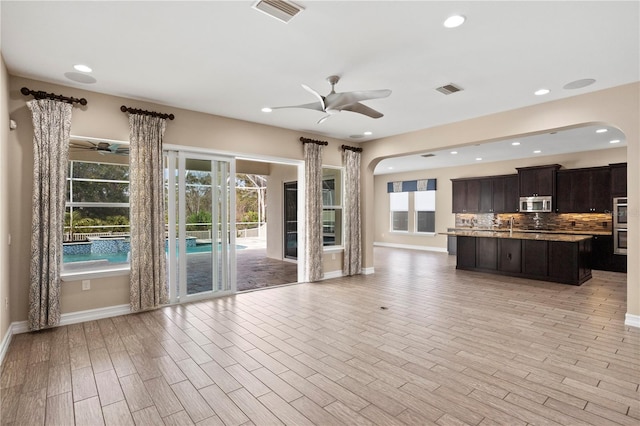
352, 264
146, 202
313, 207
51, 130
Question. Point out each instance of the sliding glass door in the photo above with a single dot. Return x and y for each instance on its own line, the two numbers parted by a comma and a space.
200, 192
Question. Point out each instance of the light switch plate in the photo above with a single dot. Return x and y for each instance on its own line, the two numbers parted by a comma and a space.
86, 284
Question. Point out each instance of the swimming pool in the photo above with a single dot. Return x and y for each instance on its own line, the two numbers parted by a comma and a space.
121, 257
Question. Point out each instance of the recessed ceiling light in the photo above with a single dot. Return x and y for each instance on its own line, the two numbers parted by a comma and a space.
368, 133
537, 151
615, 141
479, 159
579, 84
389, 168
82, 68
454, 152
515, 143
454, 21
266, 109
541, 92
602, 130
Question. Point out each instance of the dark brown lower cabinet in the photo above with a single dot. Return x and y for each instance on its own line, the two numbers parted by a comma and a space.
466, 252
563, 261
487, 253
534, 254
557, 261
602, 256
510, 256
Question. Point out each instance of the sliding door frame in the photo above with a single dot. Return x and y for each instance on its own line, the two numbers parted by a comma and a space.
177, 270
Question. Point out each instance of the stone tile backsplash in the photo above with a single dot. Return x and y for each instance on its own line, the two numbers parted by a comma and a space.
576, 222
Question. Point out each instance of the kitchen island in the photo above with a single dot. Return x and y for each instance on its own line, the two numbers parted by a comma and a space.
562, 258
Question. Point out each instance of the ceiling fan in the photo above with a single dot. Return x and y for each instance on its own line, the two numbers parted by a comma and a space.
334, 102
99, 147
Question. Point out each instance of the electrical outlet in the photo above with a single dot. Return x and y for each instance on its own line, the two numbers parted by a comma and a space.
333, 256
86, 284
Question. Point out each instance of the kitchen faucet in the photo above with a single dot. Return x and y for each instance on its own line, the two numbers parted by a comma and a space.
511, 220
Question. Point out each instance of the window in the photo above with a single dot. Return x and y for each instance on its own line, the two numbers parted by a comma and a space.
399, 207
331, 206
96, 232
425, 208
412, 205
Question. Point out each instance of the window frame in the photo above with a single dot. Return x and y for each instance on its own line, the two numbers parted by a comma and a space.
71, 273
392, 211
416, 210
337, 246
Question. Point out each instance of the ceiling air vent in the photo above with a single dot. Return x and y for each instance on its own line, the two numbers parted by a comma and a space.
279, 9
448, 89
428, 155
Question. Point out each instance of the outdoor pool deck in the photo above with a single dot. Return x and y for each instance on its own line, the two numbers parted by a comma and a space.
254, 268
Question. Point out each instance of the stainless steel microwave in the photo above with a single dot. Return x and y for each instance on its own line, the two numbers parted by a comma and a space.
535, 204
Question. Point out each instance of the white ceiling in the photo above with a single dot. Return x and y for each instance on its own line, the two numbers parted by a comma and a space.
228, 59
561, 142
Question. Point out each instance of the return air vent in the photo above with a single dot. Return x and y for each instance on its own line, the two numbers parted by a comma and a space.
428, 155
448, 89
281, 10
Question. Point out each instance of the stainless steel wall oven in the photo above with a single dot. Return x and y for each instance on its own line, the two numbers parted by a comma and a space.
620, 225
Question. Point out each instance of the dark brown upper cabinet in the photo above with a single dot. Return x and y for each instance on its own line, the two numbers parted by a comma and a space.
505, 194
493, 194
618, 179
538, 180
466, 195
584, 190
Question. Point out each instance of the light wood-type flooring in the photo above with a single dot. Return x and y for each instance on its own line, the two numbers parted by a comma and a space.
416, 343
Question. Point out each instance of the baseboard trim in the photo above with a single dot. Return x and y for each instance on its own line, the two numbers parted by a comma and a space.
6, 341
19, 327
410, 247
632, 320
368, 271
332, 274
79, 316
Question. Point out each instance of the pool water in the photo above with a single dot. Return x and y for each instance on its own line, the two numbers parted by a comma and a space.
122, 256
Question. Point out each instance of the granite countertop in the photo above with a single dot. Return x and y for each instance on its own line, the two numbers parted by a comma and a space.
569, 238
538, 231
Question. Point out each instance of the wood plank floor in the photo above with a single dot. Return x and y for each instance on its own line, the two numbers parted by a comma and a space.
416, 343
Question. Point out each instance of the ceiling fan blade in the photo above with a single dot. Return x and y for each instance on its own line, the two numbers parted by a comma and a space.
316, 106
113, 147
340, 100
316, 94
323, 119
363, 109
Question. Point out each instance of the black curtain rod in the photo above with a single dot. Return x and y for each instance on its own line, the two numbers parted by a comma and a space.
143, 112
351, 148
305, 140
44, 95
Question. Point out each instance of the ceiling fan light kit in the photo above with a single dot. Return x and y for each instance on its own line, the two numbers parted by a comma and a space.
336, 102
